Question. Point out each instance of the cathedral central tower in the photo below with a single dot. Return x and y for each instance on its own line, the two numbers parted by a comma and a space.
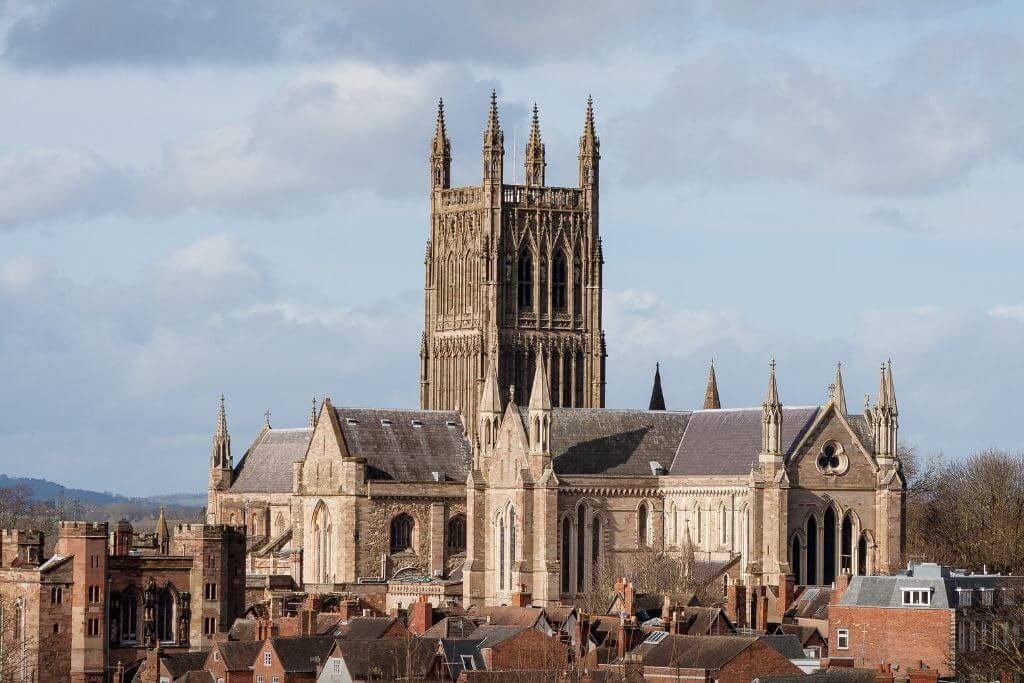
512, 275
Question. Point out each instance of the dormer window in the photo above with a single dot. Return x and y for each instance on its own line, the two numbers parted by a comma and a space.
917, 597
351, 421
417, 423
963, 597
451, 424
385, 423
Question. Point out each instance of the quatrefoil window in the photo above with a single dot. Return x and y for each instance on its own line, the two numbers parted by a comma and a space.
832, 459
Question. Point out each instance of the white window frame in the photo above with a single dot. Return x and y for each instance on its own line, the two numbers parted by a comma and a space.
266, 658
924, 595
467, 662
843, 639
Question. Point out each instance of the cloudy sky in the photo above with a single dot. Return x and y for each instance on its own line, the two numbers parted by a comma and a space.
231, 197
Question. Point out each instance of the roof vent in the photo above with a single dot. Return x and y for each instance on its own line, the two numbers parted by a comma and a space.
385, 423
656, 468
438, 476
417, 423
451, 423
351, 421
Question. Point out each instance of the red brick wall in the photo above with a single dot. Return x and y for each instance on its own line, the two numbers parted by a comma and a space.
757, 661
898, 636
529, 650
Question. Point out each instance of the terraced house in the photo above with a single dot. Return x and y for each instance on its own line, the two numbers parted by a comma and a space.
513, 477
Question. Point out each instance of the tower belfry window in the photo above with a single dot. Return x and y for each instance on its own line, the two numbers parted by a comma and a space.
525, 285
558, 283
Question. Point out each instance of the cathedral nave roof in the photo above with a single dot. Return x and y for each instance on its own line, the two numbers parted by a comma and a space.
267, 465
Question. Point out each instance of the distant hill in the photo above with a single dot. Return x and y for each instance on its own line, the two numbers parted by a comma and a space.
45, 490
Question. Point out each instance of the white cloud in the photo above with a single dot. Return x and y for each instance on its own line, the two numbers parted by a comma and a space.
1009, 312
49, 182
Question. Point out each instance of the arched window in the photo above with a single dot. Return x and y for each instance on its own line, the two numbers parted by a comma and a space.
577, 289
723, 525
511, 544
698, 524
457, 534
641, 525
828, 546
846, 545
164, 622
501, 553
581, 548
862, 554
322, 560
525, 285
595, 550
129, 617
401, 533
255, 525
558, 283
566, 553
279, 523
794, 559
812, 551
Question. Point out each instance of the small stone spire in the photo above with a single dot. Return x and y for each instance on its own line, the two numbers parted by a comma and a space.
657, 395
163, 534
836, 392
494, 144
890, 390
266, 418
711, 398
440, 153
490, 399
771, 420
884, 418
221, 456
534, 159
540, 393
312, 413
539, 414
590, 146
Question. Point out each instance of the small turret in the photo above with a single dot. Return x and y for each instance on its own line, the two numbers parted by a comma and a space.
836, 392
163, 534
440, 153
220, 462
535, 163
312, 414
885, 418
711, 398
539, 413
590, 149
771, 421
657, 396
489, 411
494, 145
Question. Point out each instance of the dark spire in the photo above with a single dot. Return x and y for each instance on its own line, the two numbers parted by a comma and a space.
657, 396
534, 160
493, 135
440, 145
711, 399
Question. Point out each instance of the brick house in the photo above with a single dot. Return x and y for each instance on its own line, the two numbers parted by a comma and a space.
104, 601
289, 659
666, 658
927, 614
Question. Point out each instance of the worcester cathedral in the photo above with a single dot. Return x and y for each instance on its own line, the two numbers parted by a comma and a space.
513, 476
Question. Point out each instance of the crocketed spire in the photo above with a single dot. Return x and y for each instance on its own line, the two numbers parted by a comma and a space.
440, 153
540, 394
836, 392
221, 455
493, 135
711, 399
534, 158
589, 155
657, 395
163, 534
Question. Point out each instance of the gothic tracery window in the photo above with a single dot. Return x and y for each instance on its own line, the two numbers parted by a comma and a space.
129, 617
457, 534
558, 283
525, 284
401, 533
642, 522
164, 622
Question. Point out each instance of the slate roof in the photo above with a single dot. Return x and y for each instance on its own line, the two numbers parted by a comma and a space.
238, 655
405, 451
297, 653
832, 675
242, 629
525, 617
603, 441
789, 646
812, 603
180, 663
693, 652
490, 635
195, 677
455, 649
887, 591
383, 659
718, 442
451, 627
366, 628
267, 466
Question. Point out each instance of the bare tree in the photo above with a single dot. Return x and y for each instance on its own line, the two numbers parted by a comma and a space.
971, 513
992, 643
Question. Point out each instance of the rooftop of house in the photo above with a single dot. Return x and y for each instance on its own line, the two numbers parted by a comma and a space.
928, 586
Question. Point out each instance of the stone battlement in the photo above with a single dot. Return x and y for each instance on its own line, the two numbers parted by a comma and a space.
19, 536
77, 528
